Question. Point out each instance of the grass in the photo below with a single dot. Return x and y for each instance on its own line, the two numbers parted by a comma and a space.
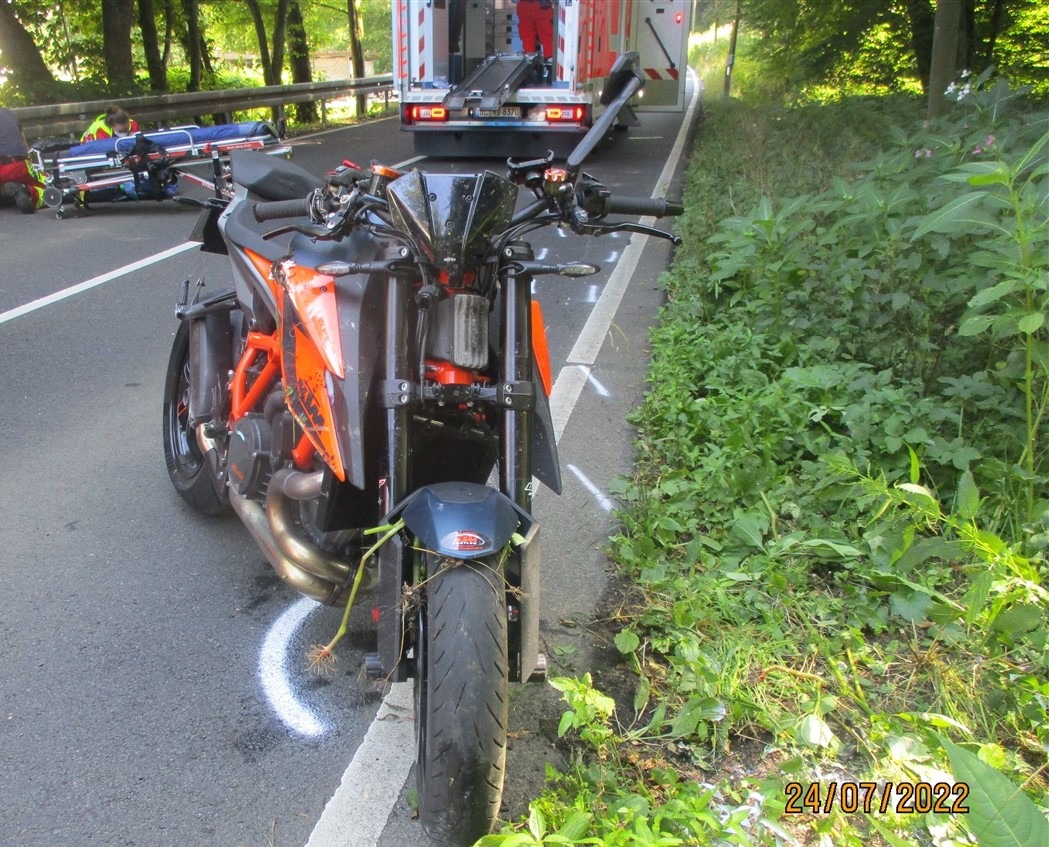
835, 537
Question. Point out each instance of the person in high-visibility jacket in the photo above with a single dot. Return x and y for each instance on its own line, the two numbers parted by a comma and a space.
114, 123
20, 181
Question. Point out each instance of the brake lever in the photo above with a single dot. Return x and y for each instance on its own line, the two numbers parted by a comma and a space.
604, 229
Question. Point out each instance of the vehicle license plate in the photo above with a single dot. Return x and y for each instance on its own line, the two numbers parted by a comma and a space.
501, 112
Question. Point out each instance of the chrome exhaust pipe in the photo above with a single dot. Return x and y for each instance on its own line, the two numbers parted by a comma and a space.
287, 485
254, 518
308, 569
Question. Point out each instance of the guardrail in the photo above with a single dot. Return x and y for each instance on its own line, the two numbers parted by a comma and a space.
73, 118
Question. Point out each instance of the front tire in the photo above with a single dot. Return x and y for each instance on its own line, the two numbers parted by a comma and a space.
188, 467
461, 699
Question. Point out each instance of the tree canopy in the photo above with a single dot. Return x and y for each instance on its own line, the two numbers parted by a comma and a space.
888, 44
77, 49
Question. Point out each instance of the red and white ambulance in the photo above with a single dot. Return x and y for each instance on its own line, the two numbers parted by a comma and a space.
469, 86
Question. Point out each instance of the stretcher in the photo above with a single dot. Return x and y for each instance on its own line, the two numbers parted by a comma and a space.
149, 164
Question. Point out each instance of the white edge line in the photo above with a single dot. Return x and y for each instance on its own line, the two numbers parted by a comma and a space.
356, 814
94, 282
591, 339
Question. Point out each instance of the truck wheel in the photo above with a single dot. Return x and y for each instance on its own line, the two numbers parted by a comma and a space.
461, 699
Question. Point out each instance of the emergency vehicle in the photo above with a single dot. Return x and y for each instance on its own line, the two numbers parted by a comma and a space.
468, 86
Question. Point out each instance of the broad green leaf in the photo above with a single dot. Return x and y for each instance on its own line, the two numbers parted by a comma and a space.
696, 710
1000, 813
967, 498
975, 324
627, 641
995, 292
1031, 322
845, 551
976, 596
916, 467
959, 211
1019, 619
813, 731
536, 823
912, 608
751, 527
576, 825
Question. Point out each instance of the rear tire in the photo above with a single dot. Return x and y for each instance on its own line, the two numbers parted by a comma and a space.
461, 699
187, 465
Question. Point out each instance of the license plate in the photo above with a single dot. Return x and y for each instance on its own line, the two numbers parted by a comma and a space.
501, 112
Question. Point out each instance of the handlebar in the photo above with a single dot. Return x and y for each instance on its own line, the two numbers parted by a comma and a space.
271, 210
655, 207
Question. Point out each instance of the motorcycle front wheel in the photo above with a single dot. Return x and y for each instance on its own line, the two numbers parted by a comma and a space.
461, 698
187, 465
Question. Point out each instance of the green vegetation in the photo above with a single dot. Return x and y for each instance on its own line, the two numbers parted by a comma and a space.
838, 524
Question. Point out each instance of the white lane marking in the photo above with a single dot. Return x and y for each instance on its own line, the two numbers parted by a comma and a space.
274, 676
565, 394
603, 500
94, 282
356, 814
592, 292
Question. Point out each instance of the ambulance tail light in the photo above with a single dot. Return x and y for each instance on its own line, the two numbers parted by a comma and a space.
565, 114
425, 114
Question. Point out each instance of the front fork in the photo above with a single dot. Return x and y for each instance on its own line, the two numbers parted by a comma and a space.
515, 468
516, 398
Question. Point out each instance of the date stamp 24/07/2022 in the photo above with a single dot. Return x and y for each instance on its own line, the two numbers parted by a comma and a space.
902, 798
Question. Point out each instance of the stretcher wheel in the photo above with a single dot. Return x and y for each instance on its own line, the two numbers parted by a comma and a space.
53, 197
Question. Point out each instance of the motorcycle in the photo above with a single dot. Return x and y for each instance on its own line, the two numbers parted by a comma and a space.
371, 399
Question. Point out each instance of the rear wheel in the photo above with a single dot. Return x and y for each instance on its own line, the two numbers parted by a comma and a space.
187, 465
461, 698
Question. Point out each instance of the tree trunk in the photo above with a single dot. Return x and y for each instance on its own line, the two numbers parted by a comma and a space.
922, 21
997, 16
944, 54
169, 29
147, 23
29, 73
357, 53
192, 11
299, 61
117, 17
280, 25
260, 36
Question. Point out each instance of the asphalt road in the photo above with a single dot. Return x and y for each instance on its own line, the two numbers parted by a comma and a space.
152, 683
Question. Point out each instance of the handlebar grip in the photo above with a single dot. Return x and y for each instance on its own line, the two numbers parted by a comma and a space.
271, 210
655, 207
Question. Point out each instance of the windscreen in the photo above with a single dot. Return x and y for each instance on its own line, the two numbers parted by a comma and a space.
452, 216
